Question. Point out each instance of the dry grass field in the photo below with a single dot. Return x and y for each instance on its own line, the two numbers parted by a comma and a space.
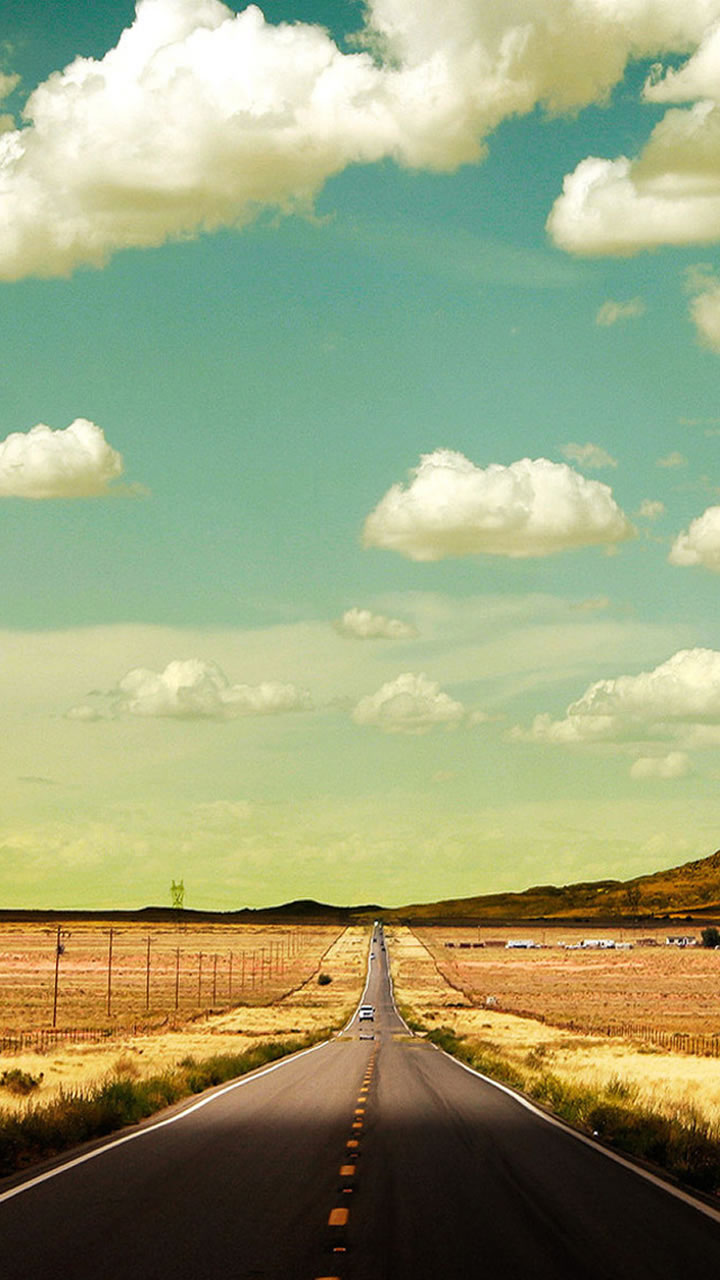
155, 972
664, 987
678, 1085
290, 1010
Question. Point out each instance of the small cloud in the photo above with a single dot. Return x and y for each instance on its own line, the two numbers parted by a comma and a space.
674, 765
651, 509
220, 812
361, 624
409, 704
704, 286
589, 456
74, 463
594, 604
531, 508
33, 781
87, 713
612, 312
674, 459
700, 543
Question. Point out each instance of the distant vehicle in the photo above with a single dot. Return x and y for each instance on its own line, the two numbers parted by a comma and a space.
366, 1013
372, 955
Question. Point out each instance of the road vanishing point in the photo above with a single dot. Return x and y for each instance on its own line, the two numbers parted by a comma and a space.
372, 1157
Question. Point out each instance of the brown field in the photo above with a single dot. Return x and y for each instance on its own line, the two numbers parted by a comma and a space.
309, 1008
191, 970
662, 988
675, 1084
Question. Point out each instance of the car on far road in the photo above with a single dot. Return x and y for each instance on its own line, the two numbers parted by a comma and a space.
366, 1013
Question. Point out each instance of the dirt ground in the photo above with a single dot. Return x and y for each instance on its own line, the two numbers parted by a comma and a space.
674, 1083
308, 1009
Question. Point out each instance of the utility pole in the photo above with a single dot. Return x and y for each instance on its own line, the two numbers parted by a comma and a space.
200, 960
59, 948
109, 981
214, 980
147, 976
230, 969
177, 977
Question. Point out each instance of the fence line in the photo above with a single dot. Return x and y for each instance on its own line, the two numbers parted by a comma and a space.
52, 1036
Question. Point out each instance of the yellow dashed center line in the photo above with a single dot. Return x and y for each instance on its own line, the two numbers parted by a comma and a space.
347, 1170
338, 1217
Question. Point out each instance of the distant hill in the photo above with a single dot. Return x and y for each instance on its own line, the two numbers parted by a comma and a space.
304, 910
691, 889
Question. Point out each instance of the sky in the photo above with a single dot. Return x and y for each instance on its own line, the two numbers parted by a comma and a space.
359, 376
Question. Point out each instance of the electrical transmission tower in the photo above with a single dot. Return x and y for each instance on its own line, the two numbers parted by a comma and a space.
177, 896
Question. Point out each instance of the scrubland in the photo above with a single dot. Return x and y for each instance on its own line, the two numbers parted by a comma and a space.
672, 989
137, 973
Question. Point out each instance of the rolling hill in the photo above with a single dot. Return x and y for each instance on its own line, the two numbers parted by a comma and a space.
691, 889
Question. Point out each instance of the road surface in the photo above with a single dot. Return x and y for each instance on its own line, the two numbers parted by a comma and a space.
374, 1157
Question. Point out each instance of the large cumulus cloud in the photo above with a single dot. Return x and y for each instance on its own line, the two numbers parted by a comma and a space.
680, 700
201, 116
670, 193
75, 463
191, 689
528, 509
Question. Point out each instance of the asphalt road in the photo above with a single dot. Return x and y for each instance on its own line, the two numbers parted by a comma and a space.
374, 1157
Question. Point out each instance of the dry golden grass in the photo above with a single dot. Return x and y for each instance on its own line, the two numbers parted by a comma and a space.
667, 988
673, 1084
310, 1008
219, 965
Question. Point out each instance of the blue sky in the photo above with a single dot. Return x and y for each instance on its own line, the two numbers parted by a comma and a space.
251, 276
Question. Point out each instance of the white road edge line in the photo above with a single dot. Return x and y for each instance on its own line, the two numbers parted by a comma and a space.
152, 1128
588, 1142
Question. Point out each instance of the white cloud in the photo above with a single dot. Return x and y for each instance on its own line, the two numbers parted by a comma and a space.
704, 286
194, 690
674, 459
409, 704
679, 699
361, 624
674, 765
669, 194
612, 312
530, 508
201, 116
651, 509
74, 463
590, 456
700, 543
